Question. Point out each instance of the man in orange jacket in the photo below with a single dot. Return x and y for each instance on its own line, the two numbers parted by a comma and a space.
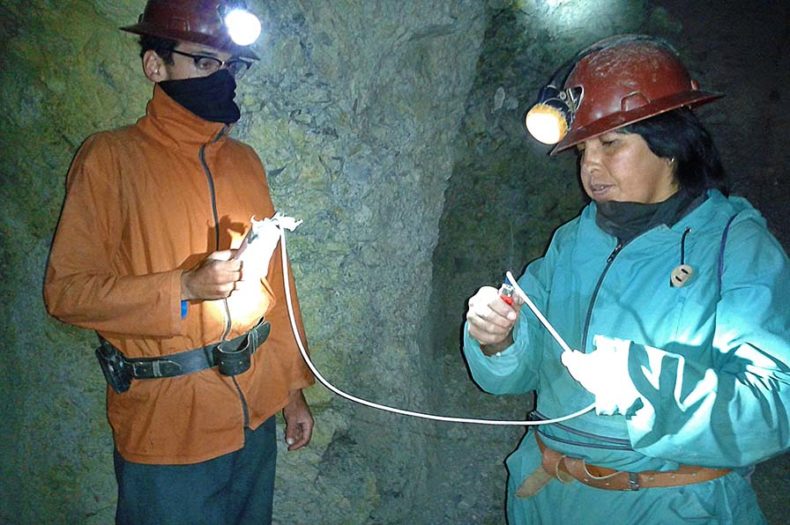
144, 254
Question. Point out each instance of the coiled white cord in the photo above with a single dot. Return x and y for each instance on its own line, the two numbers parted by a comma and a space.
400, 411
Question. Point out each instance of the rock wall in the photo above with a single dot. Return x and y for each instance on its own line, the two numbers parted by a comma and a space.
356, 111
395, 130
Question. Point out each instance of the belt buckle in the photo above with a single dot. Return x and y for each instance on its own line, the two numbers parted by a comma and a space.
155, 369
633, 481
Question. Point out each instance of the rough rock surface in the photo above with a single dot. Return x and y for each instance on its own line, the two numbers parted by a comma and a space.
395, 130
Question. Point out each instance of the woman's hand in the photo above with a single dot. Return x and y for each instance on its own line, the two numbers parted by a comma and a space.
491, 320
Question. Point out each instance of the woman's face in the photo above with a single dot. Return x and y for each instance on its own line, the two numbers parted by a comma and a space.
619, 166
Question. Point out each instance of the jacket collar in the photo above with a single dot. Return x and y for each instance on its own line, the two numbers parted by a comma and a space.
171, 123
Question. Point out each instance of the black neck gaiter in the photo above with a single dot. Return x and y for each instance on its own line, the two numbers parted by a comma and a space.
210, 98
626, 220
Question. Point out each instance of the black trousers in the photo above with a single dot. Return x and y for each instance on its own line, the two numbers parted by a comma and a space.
236, 488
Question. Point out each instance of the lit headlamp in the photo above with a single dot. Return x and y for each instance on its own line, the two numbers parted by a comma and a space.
552, 115
243, 27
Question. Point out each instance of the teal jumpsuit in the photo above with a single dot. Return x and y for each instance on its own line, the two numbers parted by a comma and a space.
709, 360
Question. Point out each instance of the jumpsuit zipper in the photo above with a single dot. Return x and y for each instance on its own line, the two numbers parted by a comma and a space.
588, 318
613, 443
213, 197
609, 261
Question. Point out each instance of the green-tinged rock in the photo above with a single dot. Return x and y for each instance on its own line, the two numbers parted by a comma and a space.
395, 130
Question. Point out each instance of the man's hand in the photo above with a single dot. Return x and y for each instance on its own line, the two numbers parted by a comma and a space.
215, 278
298, 421
491, 320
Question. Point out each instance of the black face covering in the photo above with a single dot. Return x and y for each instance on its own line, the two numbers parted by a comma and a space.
210, 98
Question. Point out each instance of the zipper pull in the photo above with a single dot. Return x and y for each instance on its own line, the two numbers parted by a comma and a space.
614, 252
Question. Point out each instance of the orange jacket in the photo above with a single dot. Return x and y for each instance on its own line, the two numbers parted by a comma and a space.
143, 204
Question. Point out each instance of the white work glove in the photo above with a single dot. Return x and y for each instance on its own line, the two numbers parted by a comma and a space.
604, 373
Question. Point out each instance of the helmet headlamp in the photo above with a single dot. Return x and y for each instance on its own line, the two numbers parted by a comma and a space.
549, 119
243, 27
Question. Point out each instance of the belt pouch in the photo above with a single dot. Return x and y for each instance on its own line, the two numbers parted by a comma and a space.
117, 371
231, 362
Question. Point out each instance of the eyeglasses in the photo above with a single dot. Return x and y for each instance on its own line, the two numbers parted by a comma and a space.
206, 64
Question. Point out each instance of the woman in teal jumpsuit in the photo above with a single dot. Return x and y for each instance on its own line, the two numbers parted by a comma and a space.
675, 299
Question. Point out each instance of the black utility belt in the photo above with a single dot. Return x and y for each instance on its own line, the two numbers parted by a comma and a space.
230, 357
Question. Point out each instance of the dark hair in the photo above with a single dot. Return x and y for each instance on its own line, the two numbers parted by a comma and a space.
680, 135
162, 46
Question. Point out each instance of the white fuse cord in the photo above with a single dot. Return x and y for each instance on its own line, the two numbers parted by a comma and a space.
331, 387
545, 322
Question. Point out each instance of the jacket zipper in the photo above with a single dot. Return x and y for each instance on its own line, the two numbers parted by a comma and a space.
213, 196
588, 318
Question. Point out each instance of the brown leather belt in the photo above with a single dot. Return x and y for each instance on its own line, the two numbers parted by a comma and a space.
566, 468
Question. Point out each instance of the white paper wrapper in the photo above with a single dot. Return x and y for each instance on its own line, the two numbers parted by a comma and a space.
255, 252
259, 244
